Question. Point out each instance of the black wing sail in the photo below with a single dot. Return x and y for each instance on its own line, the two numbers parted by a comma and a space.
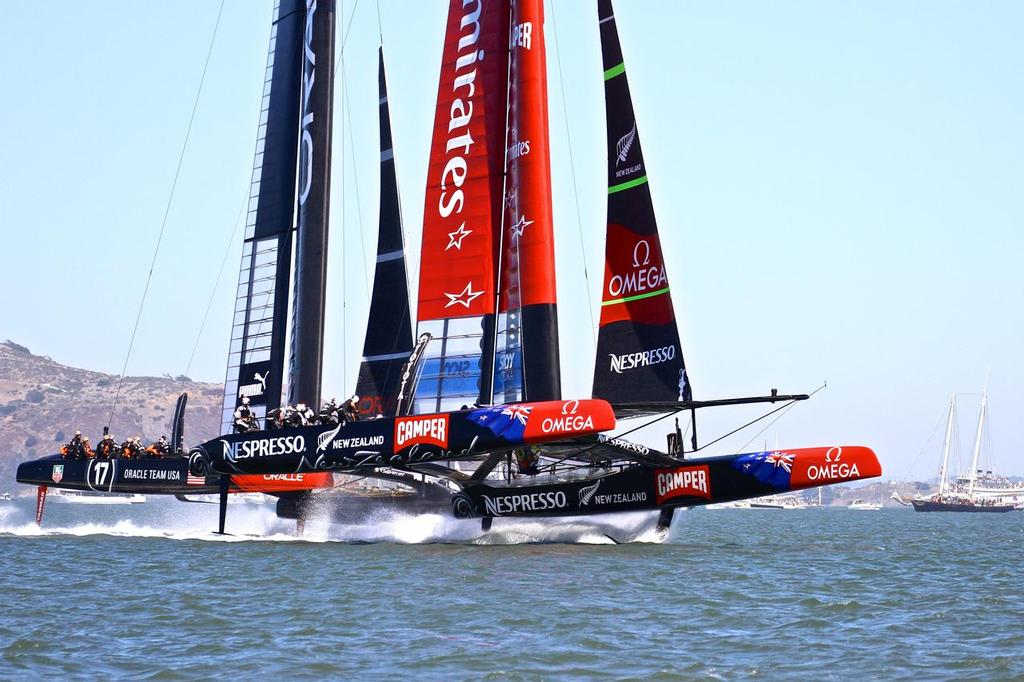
256, 354
389, 330
314, 195
639, 357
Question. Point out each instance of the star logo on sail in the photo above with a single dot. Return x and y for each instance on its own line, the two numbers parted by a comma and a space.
455, 238
520, 227
463, 298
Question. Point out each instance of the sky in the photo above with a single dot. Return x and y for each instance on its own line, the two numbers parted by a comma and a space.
838, 189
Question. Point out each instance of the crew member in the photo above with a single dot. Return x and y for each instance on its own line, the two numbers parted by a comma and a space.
107, 447
329, 413
75, 449
350, 409
527, 459
130, 449
87, 450
290, 416
306, 416
245, 420
274, 419
159, 449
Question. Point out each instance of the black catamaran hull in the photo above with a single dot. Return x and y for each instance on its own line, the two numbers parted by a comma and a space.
930, 506
690, 483
147, 476
167, 476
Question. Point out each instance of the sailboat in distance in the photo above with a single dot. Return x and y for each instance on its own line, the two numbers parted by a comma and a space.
964, 494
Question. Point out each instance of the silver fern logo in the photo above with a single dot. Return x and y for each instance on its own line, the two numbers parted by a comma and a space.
325, 438
587, 493
625, 144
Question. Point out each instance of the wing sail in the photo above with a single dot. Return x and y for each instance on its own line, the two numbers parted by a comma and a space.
639, 356
256, 354
462, 210
388, 341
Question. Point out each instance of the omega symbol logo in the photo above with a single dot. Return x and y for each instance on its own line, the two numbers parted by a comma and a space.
641, 247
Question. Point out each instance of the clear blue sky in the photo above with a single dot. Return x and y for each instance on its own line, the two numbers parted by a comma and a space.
838, 185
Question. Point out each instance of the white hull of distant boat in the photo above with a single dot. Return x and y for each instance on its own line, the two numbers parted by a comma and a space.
79, 497
864, 506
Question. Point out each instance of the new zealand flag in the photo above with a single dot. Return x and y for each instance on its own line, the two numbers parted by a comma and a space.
507, 421
772, 468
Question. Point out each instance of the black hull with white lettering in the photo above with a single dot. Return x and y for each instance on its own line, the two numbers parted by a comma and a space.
167, 476
670, 483
359, 446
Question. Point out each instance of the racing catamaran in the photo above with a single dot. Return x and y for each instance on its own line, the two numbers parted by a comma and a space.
479, 403
477, 408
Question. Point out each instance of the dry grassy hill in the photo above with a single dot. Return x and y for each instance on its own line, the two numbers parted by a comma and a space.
42, 403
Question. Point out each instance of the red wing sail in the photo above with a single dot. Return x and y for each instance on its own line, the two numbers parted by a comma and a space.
527, 362
462, 208
639, 357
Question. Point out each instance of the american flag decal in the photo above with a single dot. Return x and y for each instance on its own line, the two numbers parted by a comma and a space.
195, 480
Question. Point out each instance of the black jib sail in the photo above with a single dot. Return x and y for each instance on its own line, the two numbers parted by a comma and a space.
389, 331
314, 190
639, 357
256, 353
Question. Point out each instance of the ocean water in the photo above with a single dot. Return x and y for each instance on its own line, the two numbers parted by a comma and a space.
146, 591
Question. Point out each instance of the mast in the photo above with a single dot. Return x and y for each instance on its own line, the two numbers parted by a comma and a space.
527, 359
314, 189
639, 356
388, 340
950, 421
462, 209
977, 440
255, 366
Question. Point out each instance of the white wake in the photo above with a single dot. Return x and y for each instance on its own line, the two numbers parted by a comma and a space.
172, 520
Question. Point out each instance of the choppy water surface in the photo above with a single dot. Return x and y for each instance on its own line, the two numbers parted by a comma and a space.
147, 591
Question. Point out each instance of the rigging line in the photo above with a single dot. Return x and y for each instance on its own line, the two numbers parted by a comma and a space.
216, 283
767, 426
781, 415
167, 211
928, 442
572, 170
355, 176
380, 25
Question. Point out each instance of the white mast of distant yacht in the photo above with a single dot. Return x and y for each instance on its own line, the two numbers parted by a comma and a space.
977, 438
950, 421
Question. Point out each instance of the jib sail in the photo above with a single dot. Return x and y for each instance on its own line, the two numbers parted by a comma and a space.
256, 352
526, 360
462, 210
639, 357
389, 331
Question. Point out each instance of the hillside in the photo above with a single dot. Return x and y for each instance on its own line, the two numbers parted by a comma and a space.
43, 402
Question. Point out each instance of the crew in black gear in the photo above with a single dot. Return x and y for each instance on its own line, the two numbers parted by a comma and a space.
291, 417
159, 449
75, 449
329, 414
107, 448
350, 409
130, 449
275, 419
245, 420
306, 415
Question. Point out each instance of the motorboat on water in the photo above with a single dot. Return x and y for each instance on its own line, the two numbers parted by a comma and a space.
864, 506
